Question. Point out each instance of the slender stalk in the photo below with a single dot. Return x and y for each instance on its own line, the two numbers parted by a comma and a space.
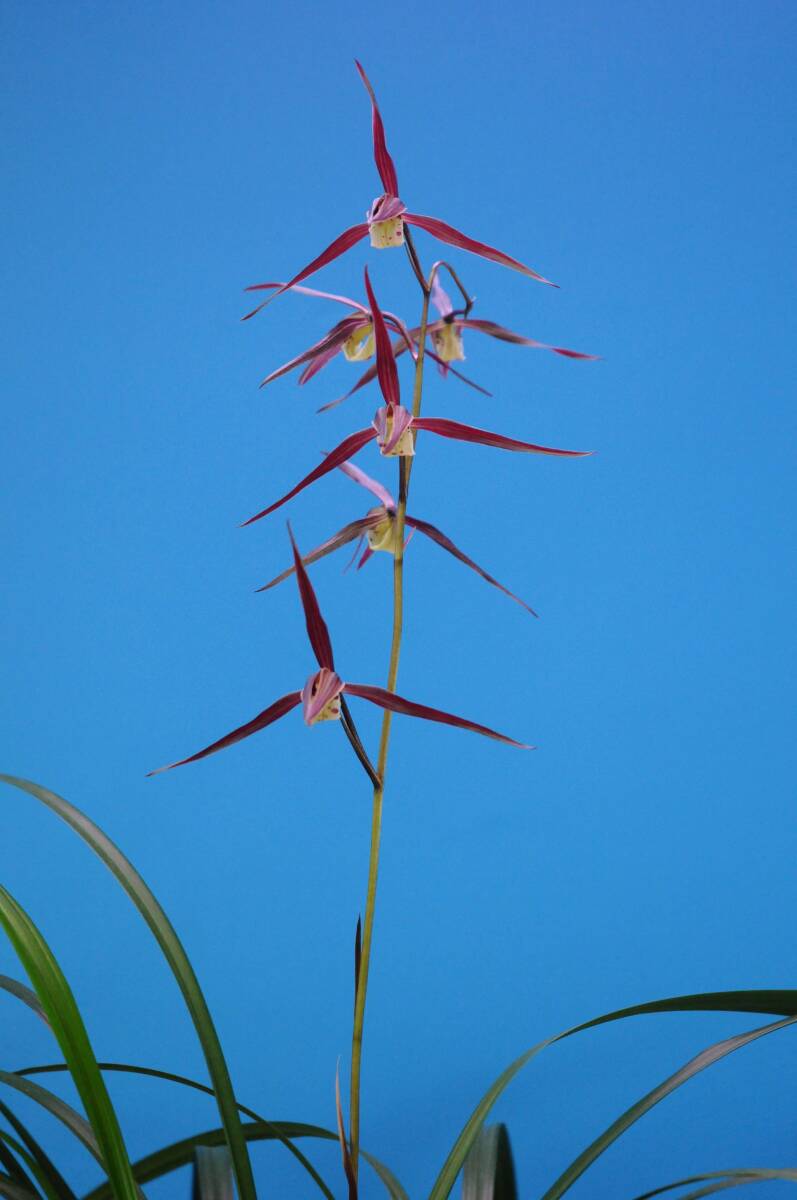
405, 466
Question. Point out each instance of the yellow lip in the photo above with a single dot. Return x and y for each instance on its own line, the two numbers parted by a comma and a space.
385, 234
448, 343
330, 711
359, 345
383, 536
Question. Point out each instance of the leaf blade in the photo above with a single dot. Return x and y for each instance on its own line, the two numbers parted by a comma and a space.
64, 1016
776, 1001
177, 959
700, 1062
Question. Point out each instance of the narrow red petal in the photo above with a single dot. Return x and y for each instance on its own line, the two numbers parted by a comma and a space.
385, 358
347, 449
506, 335
399, 347
273, 713
468, 433
409, 708
318, 363
445, 367
347, 239
447, 233
329, 344
438, 536
349, 532
384, 163
357, 549
477, 387
317, 630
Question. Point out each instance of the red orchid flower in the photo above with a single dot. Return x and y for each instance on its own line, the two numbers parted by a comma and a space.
446, 334
353, 336
388, 215
321, 697
393, 427
378, 527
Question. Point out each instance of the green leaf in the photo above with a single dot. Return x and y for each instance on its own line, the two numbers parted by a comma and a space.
781, 1002
24, 994
489, 1171
58, 1186
59, 1004
58, 1108
15, 1191
700, 1062
277, 1132
179, 1154
725, 1179
127, 1068
15, 1174
212, 1174
32, 1164
176, 957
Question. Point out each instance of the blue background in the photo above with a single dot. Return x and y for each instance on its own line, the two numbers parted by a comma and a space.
160, 157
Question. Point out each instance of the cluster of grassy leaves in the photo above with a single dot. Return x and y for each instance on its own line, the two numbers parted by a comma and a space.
220, 1155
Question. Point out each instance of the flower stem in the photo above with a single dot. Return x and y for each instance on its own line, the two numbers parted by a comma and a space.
405, 465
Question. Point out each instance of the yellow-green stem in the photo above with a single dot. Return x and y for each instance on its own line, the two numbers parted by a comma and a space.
405, 465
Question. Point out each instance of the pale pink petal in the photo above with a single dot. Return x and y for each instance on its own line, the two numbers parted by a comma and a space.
390, 424
373, 485
385, 208
308, 291
440, 298
320, 689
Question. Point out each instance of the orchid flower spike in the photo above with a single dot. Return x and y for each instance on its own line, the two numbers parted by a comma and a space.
379, 530
394, 427
322, 697
387, 217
